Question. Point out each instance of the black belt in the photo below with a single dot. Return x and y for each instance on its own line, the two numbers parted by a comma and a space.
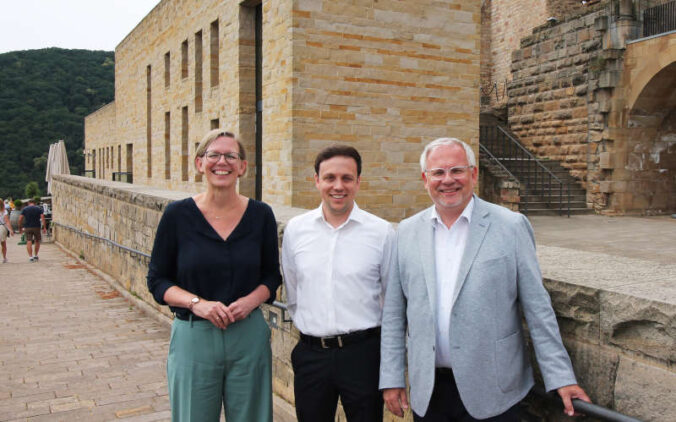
341, 340
187, 315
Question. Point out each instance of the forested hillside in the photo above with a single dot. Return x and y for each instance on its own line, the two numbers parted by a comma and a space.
44, 96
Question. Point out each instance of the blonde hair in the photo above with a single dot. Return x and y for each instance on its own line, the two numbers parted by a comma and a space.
214, 134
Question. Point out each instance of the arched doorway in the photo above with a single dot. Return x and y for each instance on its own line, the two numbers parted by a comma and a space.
650, 167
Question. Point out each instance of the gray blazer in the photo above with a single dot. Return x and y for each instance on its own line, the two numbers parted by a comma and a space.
499, 274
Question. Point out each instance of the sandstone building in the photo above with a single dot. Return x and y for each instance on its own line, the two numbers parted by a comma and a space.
291, 76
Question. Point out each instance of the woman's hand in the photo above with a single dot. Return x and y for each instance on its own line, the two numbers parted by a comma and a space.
242, 307
214, 311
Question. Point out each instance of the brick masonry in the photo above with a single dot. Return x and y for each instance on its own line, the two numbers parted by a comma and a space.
382, 76
616, 314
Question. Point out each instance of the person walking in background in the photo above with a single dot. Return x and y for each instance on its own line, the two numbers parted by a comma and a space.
214, 261
31, 222
335, 260
464, 272
5, 229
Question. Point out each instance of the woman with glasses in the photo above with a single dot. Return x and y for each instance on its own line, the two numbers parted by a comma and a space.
214, 261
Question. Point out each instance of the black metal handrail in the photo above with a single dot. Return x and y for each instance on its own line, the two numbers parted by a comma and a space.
589, 409
523, 202
659, 19
532, 174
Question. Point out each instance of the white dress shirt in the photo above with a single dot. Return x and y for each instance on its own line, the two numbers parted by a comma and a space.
335, 277
449, 246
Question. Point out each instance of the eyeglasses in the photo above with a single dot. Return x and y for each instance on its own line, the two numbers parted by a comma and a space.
215, 157
457, 172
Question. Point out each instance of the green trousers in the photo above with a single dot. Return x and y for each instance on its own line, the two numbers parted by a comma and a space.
208, 368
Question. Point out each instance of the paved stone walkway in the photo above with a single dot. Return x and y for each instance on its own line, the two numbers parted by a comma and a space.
72, 349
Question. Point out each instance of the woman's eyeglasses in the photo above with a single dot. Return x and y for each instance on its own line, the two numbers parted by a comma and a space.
230, 157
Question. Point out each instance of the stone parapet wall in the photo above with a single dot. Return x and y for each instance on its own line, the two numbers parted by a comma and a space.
617, 316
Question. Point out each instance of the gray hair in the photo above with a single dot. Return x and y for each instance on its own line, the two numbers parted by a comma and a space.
471, 159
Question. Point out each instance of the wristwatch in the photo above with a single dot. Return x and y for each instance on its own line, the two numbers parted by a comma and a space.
194, 301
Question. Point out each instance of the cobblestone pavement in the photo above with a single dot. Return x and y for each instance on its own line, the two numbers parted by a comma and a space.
72, 349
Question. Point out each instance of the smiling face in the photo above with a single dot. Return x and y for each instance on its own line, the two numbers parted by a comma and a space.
221, 173
450, 194
338, 184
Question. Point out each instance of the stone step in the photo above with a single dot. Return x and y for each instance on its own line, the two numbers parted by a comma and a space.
549, 211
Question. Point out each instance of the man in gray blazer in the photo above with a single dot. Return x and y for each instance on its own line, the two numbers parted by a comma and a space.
464, 272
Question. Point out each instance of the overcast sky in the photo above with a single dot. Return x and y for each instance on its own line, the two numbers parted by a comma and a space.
82, 24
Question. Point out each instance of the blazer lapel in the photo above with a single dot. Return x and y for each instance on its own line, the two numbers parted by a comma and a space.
426, 250
477, 231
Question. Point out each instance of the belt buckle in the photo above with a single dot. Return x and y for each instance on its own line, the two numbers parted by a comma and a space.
325, 346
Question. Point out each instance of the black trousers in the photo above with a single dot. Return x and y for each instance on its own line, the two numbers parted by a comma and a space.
446, 406
351, 373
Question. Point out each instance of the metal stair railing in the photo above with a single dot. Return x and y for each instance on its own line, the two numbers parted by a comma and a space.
522, 187
537, 178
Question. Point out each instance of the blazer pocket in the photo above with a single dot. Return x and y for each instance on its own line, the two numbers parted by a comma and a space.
511, 361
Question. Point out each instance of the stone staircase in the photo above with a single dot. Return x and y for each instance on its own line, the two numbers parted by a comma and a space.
546, 187
549, 204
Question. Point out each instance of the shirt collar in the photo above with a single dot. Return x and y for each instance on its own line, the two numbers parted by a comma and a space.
466, 213
356, 215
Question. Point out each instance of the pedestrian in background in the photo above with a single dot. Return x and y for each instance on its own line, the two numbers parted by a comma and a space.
214, 261
5, 229
34, 219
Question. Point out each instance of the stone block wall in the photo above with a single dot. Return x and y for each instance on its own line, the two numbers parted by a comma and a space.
551, 106
384, 77
503, 24
617, 315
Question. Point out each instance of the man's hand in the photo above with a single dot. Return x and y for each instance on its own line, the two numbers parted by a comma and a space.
570, 392
396, 400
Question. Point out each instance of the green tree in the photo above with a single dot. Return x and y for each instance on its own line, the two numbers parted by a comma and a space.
31, 190
44, 97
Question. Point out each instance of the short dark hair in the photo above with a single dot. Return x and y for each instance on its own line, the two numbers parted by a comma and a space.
338, 151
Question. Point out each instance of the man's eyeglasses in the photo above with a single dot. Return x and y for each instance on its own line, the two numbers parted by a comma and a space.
457, 172
230, 157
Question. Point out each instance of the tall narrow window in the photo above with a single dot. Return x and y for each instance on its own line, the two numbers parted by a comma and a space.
214, 124
130, 162
167, 145
119, 158
184, 144
198, 175
149, 149
94, 163
184, 59
198, 72
213, 53
167, 69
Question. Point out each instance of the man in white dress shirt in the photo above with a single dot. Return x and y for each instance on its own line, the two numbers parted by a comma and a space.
335, 260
